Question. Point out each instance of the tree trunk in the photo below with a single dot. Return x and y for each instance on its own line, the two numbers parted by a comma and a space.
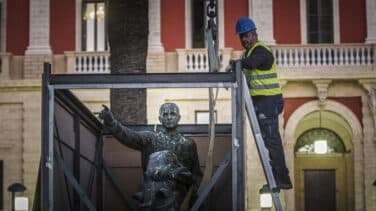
128, 38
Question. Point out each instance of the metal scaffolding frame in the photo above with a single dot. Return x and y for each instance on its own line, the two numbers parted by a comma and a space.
231, 80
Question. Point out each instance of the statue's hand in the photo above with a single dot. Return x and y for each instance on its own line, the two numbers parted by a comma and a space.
183, 175
107, 116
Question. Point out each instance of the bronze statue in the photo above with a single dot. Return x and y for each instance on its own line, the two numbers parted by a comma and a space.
165, 183
185, 172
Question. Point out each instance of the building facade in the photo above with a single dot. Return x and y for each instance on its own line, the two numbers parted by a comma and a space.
325, 52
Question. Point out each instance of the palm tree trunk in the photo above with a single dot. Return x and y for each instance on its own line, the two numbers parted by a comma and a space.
128, 39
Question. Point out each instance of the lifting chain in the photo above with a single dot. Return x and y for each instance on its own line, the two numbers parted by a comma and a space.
211, 12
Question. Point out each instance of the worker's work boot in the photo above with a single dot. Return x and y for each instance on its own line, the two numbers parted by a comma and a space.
267, 189
284, 182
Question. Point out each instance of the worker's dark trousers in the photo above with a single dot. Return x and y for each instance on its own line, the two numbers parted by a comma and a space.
267, 110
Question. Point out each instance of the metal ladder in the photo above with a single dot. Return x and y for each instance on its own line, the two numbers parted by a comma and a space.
261, 147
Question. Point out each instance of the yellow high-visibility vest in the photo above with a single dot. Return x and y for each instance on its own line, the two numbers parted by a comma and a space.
262, 82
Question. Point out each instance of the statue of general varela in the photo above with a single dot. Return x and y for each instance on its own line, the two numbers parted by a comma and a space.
174, 167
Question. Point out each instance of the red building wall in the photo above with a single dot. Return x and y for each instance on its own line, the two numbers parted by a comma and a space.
352, 21
62, 25
233, 10
173, 24
353, 103
291, 104
17, 32
286, 21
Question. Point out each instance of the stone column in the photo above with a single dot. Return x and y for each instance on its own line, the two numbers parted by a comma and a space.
261, 11
155, 44
358, 175
371, 21
156, 59
369, 151
370, 86
369, 146
39, 50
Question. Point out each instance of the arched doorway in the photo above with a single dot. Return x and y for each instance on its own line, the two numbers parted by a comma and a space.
323, 161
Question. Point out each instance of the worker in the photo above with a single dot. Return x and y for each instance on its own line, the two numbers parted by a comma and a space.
259, 68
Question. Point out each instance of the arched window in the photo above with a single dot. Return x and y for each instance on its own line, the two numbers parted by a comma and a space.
319, 141
94, 25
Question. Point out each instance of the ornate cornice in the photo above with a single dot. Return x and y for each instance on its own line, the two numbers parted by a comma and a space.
322, 90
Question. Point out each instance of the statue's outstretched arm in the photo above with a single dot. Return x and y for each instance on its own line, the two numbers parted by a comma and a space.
126, 136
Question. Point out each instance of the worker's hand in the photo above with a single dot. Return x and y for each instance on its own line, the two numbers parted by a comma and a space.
107, 116
231, 65
228, 68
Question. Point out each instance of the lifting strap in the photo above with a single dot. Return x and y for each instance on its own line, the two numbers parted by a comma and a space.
214, 65
262, 151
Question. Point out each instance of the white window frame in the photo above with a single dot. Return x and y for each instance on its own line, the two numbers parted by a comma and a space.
78, 37
303, 22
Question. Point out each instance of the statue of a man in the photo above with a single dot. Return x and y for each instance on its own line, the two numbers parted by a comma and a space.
168, 138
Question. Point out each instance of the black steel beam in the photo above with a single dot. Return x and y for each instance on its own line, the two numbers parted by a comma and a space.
189, 129
56, 81
240, 131
125, 199
46, 190
66, 98
217, 174
142, 78
238, 176
74, 183
76, 160
99, 173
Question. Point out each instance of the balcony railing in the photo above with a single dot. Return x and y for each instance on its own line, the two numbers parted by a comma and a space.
196, 60
88, 62
324, 55
287, 57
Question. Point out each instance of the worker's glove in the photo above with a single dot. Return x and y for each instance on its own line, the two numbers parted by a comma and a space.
230, 67
107, 117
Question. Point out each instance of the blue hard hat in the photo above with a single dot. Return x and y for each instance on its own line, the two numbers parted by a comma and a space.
244, 25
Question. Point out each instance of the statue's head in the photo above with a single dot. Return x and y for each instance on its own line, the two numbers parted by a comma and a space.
169, 115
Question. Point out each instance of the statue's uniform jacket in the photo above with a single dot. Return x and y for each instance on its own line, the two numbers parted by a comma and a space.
148, 142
